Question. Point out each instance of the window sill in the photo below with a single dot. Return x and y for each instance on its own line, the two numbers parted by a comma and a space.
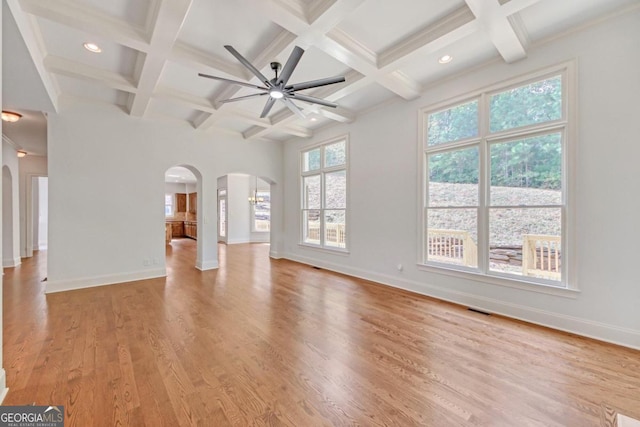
503, 281
336, 251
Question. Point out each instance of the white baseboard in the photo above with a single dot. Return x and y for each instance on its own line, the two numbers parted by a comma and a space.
110, 279
11, 262
601, 331
237, 241
3, 385
212, 264
275, 255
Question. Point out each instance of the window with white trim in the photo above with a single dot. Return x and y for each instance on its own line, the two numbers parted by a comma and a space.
261, 211
168, 205
324, 195
495, 182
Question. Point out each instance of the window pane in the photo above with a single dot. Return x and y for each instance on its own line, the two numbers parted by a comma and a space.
527, 172
311, 160
452, 236
454, 124
262, 211
525, 242
335, 190
334, 229
311, 226
335, 154
538, 102
453, 178
311, 192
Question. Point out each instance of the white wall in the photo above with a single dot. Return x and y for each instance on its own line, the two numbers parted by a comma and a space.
11, 221
238, 210
42, 214
106, 187
29, 167
383, 167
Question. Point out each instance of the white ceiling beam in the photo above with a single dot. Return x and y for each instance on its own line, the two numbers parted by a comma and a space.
322, 33
203, 62
498, 27
450, 29
30, 33
257, 131
88, 19
69, 68
169, 19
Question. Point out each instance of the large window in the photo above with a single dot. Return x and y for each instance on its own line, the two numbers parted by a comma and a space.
324, 195
495, 194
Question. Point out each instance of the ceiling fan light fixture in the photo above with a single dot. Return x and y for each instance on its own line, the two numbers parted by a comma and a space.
10, 116
276, 94
21, 153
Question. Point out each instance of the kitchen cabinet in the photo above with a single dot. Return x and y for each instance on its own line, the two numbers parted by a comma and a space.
177, 229
191, 229
181, 202
193, 203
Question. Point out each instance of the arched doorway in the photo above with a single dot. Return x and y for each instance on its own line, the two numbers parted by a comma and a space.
183, 184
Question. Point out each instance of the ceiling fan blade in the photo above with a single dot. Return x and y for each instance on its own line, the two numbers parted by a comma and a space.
315, 83
291, 64
267, 107
291, 106
241, 98
235, 82
248, 64
313, 100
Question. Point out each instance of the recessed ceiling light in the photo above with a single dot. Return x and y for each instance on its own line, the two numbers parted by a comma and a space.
92, 47
445, 59
313, 119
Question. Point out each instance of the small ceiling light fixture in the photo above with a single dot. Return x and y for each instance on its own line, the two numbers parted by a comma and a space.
276, 93
313, 119
445, 59
92, 47
10, 116
22, 153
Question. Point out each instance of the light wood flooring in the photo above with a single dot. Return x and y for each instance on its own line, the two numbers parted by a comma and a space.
272, 342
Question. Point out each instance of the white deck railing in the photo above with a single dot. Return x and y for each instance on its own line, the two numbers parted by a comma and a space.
452, 245
541, 256
334, 234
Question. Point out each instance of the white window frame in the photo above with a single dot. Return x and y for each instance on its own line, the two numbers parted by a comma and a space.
568, 287
173, 205
322, 171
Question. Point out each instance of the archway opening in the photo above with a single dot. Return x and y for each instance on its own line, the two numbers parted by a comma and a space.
182, 186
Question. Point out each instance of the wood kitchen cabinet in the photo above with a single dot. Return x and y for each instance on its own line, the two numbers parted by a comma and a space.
191, 229
177, 229
181, 202
193, 203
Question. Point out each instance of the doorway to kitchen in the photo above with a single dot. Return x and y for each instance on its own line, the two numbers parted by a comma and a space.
181, 197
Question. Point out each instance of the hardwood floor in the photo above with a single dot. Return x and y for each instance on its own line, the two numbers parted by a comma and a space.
273, 342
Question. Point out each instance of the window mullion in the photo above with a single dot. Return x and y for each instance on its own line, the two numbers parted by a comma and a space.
483, 186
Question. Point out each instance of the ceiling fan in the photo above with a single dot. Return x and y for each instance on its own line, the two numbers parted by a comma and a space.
277, 87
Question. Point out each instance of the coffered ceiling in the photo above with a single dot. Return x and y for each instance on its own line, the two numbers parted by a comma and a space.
153, 50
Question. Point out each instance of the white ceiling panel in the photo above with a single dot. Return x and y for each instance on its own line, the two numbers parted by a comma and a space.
133, 12
172, 109
378, 24
89, 91
211, 24
66, 42
366, 98
548, 17
466, 53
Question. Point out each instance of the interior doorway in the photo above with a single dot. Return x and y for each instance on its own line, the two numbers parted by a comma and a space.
181, 197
